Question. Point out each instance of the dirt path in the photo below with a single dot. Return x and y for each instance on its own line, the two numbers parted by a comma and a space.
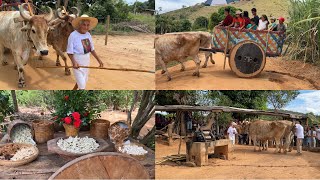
134, 52
243, 164
277, 75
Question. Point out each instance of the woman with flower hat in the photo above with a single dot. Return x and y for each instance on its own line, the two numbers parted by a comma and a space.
80, 45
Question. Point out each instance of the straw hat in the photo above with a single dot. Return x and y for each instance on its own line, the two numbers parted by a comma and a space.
93, 21
238, 12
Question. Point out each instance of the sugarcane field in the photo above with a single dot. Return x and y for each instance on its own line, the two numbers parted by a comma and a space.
77, 135
123, 46
237, 135
203, 46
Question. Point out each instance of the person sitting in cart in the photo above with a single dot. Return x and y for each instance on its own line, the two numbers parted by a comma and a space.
263, 23
273, 25
228, 19
281, 27
246, 18
252, 25
255, 16
238, 19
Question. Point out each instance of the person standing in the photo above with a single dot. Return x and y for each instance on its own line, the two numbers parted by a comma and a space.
246, 18
232, 133
300, 137
79, 48
313, 137
318, 136
281, 27
255, 16
263, 23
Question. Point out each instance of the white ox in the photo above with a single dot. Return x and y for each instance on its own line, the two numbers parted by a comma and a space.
178, 46
21, 32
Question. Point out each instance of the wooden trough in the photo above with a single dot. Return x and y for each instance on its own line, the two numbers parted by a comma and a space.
20, 162
102, 165
54, 148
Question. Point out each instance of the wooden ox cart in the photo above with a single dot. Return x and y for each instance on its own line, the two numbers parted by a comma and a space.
246, 49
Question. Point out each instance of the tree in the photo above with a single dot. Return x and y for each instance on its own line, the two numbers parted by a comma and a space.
6, 107
14, 100
279, 99
200, 23
145, 112
217, 17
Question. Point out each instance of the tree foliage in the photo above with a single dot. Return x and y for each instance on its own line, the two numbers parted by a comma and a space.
200, 23
6, 107
279, 99
167, 24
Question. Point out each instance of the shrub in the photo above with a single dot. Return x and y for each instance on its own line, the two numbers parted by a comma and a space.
200, 23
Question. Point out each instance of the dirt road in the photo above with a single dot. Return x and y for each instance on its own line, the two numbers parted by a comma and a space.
135, 52
243, 164
277, 75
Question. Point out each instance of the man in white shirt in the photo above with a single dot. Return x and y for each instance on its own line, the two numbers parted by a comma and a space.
300, 136
232, 132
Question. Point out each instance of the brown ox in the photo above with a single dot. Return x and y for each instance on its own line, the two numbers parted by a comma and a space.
58, 36
177, 47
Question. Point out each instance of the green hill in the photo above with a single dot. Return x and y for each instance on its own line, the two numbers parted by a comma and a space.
275, 8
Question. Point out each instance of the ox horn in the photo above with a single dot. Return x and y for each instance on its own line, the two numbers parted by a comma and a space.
23, 14
60, 15
48, 17
75, 11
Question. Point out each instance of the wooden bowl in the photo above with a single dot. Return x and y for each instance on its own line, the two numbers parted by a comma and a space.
102, 165
54, 148
16, 123
119, 131
20, 162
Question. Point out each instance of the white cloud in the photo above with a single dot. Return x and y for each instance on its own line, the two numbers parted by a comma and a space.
306, 102
170, 5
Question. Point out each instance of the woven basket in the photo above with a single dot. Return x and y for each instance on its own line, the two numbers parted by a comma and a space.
99, 128
21, 162
71, 130
138, 157
16, 123
43, 130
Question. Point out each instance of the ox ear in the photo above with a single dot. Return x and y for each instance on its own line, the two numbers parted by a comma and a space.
25, 28
18, 19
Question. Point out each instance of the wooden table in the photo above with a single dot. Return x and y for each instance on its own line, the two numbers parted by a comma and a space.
198, 152
47, 163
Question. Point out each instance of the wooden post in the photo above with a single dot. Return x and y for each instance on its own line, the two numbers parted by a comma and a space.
226, 49
107, 30
170, 129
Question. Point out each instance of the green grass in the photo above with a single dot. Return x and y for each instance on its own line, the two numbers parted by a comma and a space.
143, 18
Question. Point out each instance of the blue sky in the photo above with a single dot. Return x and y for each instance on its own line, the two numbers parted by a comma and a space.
307, 101
170, 5
132, 1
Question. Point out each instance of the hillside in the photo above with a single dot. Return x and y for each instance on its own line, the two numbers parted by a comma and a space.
274, 8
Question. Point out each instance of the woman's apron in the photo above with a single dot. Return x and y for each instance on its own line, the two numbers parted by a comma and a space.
82, 74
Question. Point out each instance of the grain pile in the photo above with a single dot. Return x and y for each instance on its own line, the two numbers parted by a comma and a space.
118, 132
22, 134
14, 152
78, 145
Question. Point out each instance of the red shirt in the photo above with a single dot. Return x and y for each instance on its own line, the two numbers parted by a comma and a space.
227, 20
239, 20
247, 21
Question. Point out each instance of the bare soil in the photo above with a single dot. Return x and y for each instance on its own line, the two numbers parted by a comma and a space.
278, 74
125, 51
243, 164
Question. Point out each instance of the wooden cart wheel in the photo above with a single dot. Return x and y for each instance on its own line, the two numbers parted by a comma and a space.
102, 165
247, 59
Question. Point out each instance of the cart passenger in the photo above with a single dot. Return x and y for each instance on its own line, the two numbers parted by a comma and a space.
281, 27
252, 25
238, 19
80, 45
255, 16
228, 19
263, 23
273, 25
246, 18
